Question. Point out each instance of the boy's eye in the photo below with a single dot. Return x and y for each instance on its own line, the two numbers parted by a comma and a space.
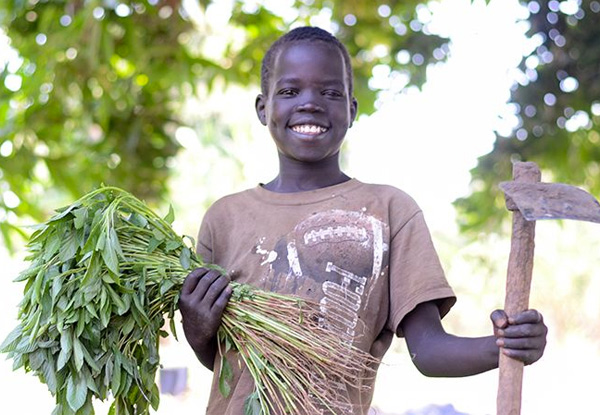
332, 93
287, 91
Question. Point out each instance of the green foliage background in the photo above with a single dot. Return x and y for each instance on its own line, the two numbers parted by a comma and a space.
101, 85
97, 92
557, 102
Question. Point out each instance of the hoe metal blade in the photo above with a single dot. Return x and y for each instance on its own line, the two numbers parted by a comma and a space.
552, 201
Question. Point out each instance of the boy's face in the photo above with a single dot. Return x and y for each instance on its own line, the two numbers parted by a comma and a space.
308, 109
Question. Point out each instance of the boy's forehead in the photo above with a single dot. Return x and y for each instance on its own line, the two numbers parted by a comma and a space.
298, 56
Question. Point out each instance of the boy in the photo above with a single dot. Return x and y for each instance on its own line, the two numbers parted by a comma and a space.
362, 251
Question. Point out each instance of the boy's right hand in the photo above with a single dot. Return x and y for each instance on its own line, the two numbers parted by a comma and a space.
204, 296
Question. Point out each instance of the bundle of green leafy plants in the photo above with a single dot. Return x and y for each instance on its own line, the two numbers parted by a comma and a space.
104, 273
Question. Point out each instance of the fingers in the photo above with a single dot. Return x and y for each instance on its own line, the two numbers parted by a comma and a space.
524, 338
499, 318
191, 281
206, 286
528, 316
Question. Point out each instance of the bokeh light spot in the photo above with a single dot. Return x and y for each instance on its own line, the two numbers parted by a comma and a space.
550, 99
13, 82
98, 13
554, 5
384, 10
552, 18
521, 134
530, 111
569, 84
71, 53
123, 10
6, 148
403, 57
65, 20
533, 7
350, 19
11, 200
41, 39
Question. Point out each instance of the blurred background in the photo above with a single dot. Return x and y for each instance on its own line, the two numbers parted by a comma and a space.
157, 97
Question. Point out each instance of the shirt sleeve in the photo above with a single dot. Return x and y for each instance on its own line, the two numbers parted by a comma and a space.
415, 274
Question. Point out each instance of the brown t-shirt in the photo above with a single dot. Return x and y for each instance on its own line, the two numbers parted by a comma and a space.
362, 251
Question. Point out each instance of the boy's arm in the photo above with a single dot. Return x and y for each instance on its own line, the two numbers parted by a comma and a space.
204, 295
437, 353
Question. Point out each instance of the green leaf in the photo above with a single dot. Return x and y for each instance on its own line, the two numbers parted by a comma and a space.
109, 256
138, 220
63, 358
51, 246
165, 286
184, 258
153, 244
37, 359
225, 376
116, 376
77, 353
69, 246
173, 328
252, 404
12, 340
172, 245
81, 216
49, 374
76, 392
157, 234
170, 216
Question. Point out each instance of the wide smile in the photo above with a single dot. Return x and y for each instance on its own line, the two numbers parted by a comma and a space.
311, 130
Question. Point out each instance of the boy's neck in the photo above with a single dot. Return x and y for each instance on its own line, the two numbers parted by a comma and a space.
299, 177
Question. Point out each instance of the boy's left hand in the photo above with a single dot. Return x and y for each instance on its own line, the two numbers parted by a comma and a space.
522, 337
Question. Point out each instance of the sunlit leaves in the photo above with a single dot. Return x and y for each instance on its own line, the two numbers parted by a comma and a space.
557, 104
95, 94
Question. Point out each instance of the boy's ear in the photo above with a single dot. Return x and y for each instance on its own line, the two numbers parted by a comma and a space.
260, 105
353, 110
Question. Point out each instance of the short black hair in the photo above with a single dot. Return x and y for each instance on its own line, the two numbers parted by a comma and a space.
303, 34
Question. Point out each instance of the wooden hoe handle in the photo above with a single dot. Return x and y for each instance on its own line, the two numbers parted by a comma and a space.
518, 284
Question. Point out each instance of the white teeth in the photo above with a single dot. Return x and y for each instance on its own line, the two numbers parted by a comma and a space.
309, 129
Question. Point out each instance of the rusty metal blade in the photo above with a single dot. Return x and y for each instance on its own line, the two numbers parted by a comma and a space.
538, 201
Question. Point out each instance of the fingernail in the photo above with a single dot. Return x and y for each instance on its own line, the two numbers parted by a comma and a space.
499, 342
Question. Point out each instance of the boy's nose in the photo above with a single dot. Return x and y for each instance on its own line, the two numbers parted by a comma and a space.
310, 105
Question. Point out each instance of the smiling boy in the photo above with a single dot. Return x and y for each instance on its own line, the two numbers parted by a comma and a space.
362, 251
